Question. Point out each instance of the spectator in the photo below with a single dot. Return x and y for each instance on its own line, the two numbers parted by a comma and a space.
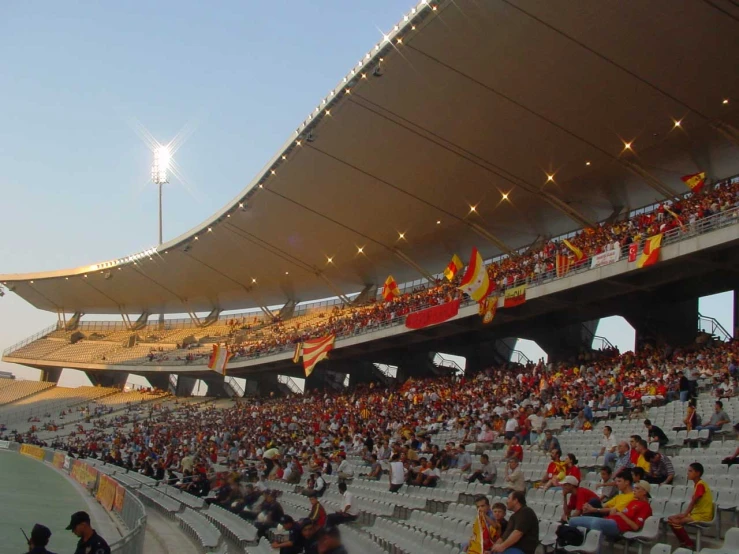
514, 478
734, 458
485, 528
655, 434
317, 515
691, 416
295, 540
514, 450
375, 469
329, 541
623, 458
345, 470
719, 418
603, 488
347, 513
608, 446
268, 516
550, 442
555, 471
619, 520
661, 470
700, 507
487, 472
522, 532
397, 474
578, 497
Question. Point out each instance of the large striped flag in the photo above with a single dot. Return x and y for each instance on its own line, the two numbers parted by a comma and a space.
219, 359
695, 181
476, 282
575, 250
650, 254
313, 351
562, 264
453, 268
514, 296
390, 290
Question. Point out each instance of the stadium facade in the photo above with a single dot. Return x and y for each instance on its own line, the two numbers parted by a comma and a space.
495, 125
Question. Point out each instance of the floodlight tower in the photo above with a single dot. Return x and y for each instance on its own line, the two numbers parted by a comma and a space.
159, 176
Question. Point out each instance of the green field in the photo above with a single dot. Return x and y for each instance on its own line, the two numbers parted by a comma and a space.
30, 493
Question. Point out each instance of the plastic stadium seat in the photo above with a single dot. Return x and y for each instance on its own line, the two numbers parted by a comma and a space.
649, 533
591, 544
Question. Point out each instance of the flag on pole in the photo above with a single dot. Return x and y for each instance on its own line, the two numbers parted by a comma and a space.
562, 264
453, 268
650, 254
219, 359
390, 290
515, 296
695, 181
575, 250
677, 217
313, 351
633, 251
476, 283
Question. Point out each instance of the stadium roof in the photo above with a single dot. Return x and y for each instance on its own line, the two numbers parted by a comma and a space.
489, 124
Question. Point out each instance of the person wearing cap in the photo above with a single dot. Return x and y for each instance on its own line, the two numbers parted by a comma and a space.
295, 540
578, 497
40, 536
329, 541
616, 522
90, 542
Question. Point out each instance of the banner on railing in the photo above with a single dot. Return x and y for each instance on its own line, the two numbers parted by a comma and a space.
432, 316
33, 451
83, 474
605, 258
58, 461
107, 490
4, 445
120, 495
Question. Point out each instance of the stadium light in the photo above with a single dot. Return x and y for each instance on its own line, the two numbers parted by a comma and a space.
159, 170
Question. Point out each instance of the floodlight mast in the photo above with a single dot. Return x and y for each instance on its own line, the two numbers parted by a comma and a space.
159, 176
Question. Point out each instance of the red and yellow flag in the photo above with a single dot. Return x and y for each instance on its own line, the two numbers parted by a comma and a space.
219, 359
453, 268
488, 307
650, 254
695, 181
313, 351
575, 250
476, 283
390, 290
515, 296
562, 264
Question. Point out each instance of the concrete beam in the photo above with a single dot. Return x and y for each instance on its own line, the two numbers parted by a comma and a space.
111, 379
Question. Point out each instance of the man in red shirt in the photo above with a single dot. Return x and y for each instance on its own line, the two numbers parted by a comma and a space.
631, 518
514, 449
578, 496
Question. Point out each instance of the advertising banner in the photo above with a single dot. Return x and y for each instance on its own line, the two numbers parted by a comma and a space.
106, 492
58, 460
33, 451
605, 258
432, 316
83, 474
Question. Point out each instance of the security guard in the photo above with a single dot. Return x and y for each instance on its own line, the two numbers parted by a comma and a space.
90, 542
40, 536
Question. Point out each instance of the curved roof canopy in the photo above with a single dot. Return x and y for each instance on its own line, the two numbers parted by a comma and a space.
489, 124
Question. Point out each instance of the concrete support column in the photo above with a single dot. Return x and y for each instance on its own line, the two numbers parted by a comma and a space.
158, 380
262, 384
674, 323
565, 343
50, 374
216, 386
185, 385
112, 379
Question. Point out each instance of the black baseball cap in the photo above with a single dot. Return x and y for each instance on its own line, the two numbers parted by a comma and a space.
40, 535
77, 518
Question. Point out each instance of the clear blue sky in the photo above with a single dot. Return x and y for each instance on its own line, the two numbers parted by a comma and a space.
74, 174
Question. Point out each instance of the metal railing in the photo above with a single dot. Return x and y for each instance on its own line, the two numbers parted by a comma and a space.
601, 343
29, 340
519, 357
238, 389
441, 361
678, 234
290, 383
712, 326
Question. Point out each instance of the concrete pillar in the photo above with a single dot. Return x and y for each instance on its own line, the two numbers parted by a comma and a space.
564, 343
674, 322
112, 379
216, 386
185, 385
158, 380
50, 374
262, 384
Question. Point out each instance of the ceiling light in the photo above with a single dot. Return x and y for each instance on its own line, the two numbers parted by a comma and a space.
627, 146
473, 209
287, 273
401, 236
196, 238
330, 259
228, 215
726, 101
241, 204
32, 282
550, 178
272, 171
85, 275
677, 122
298, 143
360, 249
438, 221
284, 157
505, 195
587, 163
253, 280
66, 278
210, 229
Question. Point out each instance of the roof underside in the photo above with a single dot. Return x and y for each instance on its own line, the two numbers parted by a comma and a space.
480, 99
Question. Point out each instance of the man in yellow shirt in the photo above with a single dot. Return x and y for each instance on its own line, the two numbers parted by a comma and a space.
700, 507
624, 484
